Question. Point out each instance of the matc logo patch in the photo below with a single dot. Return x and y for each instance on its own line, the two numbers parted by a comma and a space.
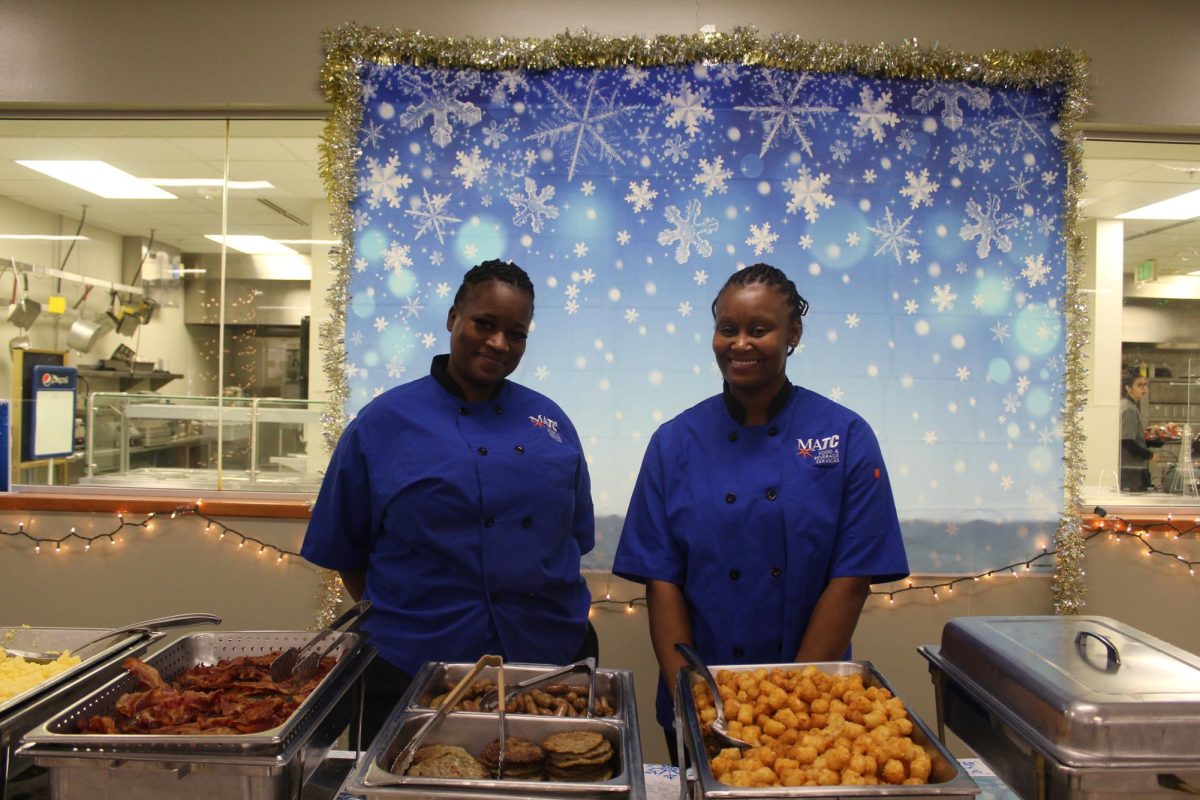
821, 449
550, 426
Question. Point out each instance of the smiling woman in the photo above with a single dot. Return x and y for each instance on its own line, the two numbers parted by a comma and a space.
127, 230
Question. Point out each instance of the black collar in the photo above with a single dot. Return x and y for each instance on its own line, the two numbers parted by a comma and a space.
738, 411
437, 369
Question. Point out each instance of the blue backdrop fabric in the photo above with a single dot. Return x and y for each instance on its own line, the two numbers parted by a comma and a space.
922, 220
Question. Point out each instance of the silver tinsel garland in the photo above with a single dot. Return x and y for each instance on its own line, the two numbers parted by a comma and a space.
349, 47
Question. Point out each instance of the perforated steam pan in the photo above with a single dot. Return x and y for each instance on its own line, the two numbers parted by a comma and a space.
438, 677
190, 651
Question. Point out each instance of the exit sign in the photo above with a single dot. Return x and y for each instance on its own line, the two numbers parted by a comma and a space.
1145, 271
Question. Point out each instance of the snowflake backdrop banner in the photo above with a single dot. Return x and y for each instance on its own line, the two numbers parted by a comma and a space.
922, 219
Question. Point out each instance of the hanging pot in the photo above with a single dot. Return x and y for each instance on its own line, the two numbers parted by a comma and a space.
83, 334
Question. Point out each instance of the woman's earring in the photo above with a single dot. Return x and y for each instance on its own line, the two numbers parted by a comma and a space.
791, 349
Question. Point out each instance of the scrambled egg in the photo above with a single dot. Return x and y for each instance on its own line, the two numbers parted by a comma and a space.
18, 675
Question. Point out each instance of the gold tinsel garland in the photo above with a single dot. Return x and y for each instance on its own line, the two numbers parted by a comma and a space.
349, 47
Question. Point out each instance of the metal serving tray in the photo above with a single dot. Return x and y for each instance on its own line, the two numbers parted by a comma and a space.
371, 777
98, 663
189, 651
947, 777
437, 677
91, 774
1071, 707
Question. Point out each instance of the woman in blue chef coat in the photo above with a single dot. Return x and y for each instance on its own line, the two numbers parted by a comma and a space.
761, 516
459, 504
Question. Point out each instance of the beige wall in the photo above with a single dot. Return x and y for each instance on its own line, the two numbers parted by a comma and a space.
229, 54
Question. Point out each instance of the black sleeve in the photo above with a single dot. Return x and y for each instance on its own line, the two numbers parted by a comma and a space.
1132, 448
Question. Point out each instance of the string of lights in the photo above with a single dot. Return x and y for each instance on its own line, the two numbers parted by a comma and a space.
113, 538
1104, 524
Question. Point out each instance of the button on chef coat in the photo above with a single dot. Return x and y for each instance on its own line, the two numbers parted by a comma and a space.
753, 526
469, 520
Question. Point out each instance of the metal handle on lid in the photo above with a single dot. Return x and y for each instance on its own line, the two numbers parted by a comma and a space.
1114, 655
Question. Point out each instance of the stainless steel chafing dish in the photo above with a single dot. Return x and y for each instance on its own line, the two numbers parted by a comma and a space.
372, 778
270, 765
98, 663
947, 778
1071, 707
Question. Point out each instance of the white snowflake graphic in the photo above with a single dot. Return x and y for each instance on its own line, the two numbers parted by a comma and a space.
428, 340
394, 368
580, 126
412, 307
360, 219
1019, 184
783, 115
762, 239
571, 306
542, 372
687, 109
587, 276
962, 156
852, 321
1006, 482
836, 394
587, 187
471, 167
873, 114
1011, 403
853, 238
1017, 124
372, 133
805, 242
839, 151
635, 76
437, 98
685, 309
580, 249
809, 193
431, 215
1045, 224
989, 226
675, 149
512, 80
533, 207
713, 176
919, 189
631, 315
1036, 270
623, 237
1023, 384
383, 182
396, 256
700, 277
911, 306
689, 232
943, 297
963, 374
906, 141
641, 196
443, 290
892, 233
494, 135
381, 324
930, 438
950, 95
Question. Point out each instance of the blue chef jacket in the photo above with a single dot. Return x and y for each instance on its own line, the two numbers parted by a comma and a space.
469, 520
753, 521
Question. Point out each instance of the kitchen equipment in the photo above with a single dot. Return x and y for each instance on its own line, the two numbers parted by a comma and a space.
173, 621
1071, 707
24, 312
24, 711
374, 776
718, 728
288, 662
83, 334
947, 779
269, 765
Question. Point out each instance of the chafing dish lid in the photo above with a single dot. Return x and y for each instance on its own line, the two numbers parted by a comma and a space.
1086, 690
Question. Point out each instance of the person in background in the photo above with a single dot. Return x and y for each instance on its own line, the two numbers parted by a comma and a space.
1135, 455
761, 516
460, 504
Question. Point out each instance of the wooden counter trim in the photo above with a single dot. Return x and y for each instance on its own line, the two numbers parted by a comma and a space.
113, 504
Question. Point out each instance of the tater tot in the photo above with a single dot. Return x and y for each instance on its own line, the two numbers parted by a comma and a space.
893, 771
745, 714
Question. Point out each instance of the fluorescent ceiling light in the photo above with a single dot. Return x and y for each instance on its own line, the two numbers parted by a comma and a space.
309, 241
99, 178
254, 245
1185, 206
42, 238
210, 182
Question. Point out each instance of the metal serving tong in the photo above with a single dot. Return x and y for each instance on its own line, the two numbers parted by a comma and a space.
173, 621
404, 760
719, 728
491, 699
300, 663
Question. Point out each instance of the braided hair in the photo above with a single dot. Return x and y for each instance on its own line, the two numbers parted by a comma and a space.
769, 276
495, 270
